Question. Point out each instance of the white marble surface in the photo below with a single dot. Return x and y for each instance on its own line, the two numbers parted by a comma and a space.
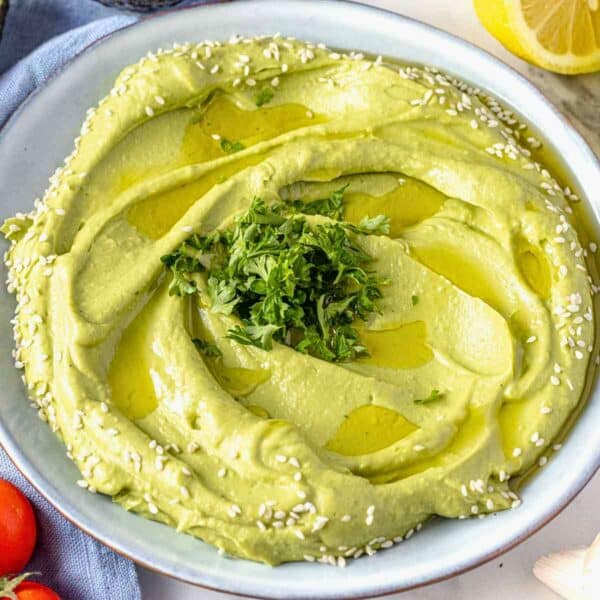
508, 577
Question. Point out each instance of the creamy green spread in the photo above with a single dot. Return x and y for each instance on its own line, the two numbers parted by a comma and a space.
476, 358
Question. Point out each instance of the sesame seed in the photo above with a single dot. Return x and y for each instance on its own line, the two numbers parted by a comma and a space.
149, 111
346, 518
554, 380
542, 461
152, 508
369, 520
531, 339
222, 472
517, 452
418, 447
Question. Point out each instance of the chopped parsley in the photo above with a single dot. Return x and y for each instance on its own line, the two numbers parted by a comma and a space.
207, 348
231, 147
435, 395
264, 96
414, 300
300, 284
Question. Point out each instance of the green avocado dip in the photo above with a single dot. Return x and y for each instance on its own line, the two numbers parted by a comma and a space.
295, 301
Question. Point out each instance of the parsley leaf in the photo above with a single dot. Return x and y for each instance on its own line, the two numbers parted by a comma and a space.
231, 147
264, 96
379, 224
207, 348
329, 207
415, 300
435, 395
287, 280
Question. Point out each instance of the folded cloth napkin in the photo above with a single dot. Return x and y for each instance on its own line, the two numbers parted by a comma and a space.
70, 562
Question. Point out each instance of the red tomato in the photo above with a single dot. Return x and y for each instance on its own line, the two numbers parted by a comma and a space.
29, 590
17, 529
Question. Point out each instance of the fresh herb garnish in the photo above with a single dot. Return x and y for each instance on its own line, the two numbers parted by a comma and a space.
231, 147
379, 224
414, 300
285, 279
264, 96
332, 206
435, 395
207, 348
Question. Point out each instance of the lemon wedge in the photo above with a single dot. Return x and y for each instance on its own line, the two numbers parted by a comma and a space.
558, 35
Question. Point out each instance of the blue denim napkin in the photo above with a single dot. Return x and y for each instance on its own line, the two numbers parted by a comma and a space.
72, 563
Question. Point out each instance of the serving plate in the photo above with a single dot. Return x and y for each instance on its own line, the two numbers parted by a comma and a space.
41, 134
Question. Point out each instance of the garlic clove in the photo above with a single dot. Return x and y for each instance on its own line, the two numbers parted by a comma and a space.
574, 574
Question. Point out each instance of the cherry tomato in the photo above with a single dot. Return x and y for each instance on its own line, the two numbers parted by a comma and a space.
30, 590
17, 529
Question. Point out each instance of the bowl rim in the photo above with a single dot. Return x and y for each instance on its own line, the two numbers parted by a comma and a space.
11, 446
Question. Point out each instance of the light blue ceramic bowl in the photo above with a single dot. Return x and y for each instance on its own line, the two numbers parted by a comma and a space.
34, 143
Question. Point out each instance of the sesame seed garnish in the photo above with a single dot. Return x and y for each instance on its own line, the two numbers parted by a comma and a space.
517, 452
542, 461
554, 380
152, 508
531, 339
346, 518
222, 472
149, 111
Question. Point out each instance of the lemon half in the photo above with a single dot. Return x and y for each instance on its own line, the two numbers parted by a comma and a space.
559, 35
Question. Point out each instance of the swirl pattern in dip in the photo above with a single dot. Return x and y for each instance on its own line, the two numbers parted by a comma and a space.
476, 359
